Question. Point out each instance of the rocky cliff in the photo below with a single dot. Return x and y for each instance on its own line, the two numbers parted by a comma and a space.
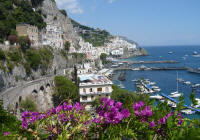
52, 15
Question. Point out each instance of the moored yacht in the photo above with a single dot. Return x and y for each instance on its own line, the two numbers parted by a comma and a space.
187, 111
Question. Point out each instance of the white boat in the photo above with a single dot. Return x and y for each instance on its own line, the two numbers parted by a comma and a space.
175, 95
170, 52
172, 104
187, 82
198, 55
195, 53
187, 111
152, 83
180, 80
136, 69
134, 80
156, 97
157, 89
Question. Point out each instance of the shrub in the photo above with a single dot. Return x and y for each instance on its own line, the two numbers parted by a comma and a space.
2, 55
15, 56
67, 46
24, 42
33, 59
28, 104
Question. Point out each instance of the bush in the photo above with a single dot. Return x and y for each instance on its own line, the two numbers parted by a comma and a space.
33, 59
28, 104
63, 12
2, 55
15, 56
67, 46
24, 42
103, 57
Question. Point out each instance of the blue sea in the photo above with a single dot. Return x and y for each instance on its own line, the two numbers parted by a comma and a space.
166, 80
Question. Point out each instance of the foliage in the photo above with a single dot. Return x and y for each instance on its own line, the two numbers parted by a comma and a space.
2, 55
15, 56
126, 97
65, 90
79, 57
46, 54
33, 59
12, 39
21, 13
63, 12
192, 98
35, 3
111, 121
67, 46
24, 42
28, 104
103, 57
10, 125
96, 37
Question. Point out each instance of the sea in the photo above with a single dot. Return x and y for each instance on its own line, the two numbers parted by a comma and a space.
166, 80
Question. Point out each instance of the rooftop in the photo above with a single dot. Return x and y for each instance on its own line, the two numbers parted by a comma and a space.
93, 79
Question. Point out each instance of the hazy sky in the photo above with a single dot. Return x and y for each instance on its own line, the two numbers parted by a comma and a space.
148, 22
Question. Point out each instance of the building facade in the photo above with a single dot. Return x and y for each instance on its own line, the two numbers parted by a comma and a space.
92, 86
30, 31
53, 36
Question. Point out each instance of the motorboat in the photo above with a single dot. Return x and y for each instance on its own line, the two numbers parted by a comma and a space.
187, 82
152, 83
156, 97
187, 111
136, 69
180, 80
175, 95
170, 52
134, 80
195, 53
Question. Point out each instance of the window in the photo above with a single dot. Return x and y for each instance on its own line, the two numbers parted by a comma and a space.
99, 89
84, 98
92, 97
84, 90
90, 89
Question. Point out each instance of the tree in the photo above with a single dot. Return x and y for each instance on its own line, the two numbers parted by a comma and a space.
63, 12
12, 39
2, 55
67, 46
24, 42
192, 98
64, 90
103, 57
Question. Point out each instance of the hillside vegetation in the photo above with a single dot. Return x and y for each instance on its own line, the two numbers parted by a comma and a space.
96, 37
13, 12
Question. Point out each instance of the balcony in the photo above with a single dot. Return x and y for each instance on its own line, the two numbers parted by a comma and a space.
96, 93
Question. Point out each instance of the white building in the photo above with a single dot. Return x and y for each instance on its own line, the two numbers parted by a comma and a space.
52, 36
92, 86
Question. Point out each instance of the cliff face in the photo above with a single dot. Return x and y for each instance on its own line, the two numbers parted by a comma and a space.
52, 15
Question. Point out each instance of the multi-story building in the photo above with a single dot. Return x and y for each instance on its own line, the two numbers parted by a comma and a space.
28, 30
52, 36
92, 86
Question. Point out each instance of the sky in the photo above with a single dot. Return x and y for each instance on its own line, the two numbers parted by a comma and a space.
148, 22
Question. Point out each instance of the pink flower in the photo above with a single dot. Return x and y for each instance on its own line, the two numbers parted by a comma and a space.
152, 124
6, 133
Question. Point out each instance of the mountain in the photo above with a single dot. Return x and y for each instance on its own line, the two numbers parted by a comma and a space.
96, 37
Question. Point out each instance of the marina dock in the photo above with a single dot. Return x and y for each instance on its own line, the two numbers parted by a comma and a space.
173, 100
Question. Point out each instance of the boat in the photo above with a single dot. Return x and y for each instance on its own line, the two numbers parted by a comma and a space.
134, 80
195, 53
194, 70
187, 111
156, 89
122, 76
135, 69
156, 97
180, 80
176, 93
187, 82
152, 83
170, 52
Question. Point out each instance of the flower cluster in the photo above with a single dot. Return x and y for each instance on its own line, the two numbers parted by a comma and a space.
142, 111
111, 112
62, 112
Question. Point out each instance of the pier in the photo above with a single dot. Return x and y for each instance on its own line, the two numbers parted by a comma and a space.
173, 100
152, 62
149, 68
